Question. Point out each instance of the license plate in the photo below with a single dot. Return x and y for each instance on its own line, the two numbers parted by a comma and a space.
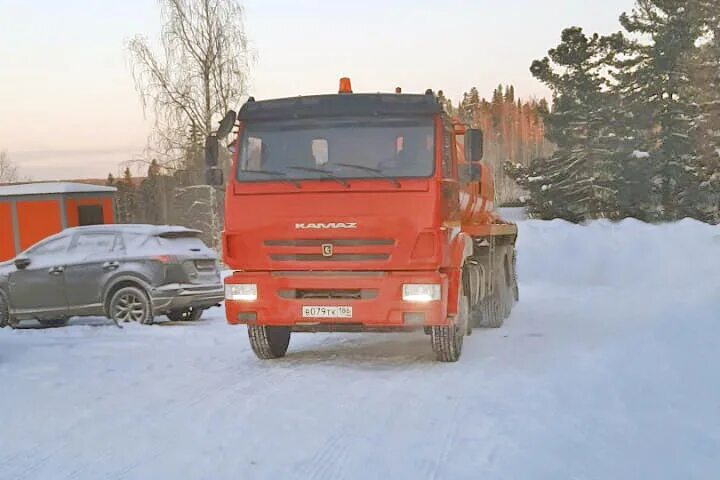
327, 312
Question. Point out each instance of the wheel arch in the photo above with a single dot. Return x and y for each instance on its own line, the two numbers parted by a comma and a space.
124, 281
460, 250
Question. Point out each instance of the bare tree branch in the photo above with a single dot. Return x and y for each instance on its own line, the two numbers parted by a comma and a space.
197, 74
9, 171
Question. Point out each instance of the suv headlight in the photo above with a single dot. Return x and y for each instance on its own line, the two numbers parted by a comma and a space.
241, 292
420, 293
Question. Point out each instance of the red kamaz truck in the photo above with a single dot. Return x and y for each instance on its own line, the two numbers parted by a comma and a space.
361, 212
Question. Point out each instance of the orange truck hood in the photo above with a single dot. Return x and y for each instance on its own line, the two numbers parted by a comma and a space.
335, 229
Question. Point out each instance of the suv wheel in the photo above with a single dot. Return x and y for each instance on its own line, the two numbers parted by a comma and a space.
4, 312
130, 304
189, 314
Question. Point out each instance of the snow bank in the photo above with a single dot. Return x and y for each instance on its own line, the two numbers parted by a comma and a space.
629, 253
606, 369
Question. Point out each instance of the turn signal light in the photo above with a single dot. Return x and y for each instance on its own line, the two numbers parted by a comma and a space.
163, 259
345, 86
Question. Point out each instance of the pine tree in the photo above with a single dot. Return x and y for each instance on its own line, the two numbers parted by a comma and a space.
580, 180
706, 138
653, 75
127, 202
151, 196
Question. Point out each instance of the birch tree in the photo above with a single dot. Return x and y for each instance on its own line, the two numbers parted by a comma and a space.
198, 71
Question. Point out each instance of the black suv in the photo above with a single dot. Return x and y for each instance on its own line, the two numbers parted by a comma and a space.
124, 272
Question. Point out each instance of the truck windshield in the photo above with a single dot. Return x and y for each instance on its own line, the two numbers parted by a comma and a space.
332, 149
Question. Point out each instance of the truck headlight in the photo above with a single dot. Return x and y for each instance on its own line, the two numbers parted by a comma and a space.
241, 292
420, 293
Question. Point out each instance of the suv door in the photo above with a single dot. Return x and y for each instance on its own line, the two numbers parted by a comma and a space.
95, 257
38, 290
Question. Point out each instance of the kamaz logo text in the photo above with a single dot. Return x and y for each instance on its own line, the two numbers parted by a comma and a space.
325, 226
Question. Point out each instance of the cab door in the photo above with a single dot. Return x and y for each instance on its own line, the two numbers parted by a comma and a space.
95, 257
37, 290
450, 186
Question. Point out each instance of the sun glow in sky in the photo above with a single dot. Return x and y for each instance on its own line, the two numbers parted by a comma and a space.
68, 108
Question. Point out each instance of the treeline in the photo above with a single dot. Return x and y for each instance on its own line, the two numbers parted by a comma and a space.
169, 197
514, 132
635, 117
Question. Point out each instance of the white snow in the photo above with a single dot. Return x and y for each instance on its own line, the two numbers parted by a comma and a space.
50, 188
607, 369
639, 154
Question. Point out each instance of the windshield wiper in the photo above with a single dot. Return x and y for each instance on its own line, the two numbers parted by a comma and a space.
275, 174
324, 172
378, 173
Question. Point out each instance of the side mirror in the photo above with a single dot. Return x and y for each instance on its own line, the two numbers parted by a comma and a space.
469, 172
227, 124
473, 145
211, 151
214, 177
21, 263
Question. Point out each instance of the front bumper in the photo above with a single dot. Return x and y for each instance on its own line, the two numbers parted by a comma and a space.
182, 296
381, 306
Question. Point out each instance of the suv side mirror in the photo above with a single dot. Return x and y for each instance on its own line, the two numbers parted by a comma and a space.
473, 145
21, 263
214, 177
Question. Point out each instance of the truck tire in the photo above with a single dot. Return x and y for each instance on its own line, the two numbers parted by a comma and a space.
269, 342
447, 340
488, 314
516, 289
130, 304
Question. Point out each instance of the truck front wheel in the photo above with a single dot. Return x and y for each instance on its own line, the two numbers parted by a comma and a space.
447, 341
269, 342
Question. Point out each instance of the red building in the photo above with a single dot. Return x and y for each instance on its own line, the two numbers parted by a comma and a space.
31, 212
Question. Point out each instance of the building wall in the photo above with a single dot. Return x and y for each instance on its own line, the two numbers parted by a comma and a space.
7, 240
72, 204
42, 216
38, 219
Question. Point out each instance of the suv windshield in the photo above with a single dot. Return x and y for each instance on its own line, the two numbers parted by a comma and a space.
333, 149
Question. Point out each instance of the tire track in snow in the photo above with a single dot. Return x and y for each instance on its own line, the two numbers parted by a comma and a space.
42, 453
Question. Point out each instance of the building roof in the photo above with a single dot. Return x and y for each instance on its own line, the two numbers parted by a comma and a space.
51, 188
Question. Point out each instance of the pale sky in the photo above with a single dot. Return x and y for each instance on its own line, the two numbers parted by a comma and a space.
68, 108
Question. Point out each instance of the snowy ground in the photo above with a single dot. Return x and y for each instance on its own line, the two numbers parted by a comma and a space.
607, 369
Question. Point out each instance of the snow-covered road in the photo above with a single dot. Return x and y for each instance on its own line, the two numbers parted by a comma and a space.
607, 369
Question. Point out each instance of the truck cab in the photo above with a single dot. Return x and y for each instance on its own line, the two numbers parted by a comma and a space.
345, 212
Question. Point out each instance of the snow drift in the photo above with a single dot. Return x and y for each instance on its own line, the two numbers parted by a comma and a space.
607, 368
629, 253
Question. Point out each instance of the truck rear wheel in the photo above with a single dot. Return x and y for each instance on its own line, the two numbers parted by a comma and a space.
447, 341
269, 342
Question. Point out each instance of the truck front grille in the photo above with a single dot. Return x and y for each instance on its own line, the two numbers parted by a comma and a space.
329, 250
329, 294
335, 242
338, 257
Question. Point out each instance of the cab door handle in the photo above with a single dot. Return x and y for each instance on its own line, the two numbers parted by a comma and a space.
111, 265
